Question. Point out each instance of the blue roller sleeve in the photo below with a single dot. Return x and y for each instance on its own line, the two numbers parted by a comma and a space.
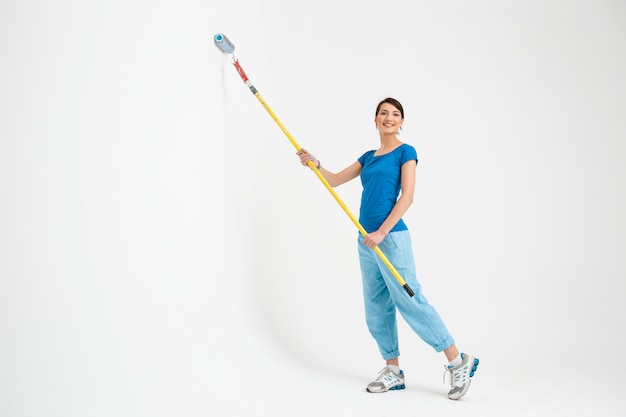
224, 43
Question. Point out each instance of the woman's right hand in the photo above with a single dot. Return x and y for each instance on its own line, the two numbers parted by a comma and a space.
305, 157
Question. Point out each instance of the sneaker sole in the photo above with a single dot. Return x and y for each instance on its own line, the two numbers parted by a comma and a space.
394, 388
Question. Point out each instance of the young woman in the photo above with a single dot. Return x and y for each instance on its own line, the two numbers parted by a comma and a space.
388, 179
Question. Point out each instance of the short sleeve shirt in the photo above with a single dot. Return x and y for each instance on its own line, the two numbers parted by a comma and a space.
380, 177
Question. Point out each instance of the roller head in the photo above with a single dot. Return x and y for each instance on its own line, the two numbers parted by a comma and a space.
224, 43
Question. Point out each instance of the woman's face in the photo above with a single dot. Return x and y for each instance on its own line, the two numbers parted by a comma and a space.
389, 119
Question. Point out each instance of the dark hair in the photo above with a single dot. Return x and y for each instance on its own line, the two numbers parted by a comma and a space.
395, 103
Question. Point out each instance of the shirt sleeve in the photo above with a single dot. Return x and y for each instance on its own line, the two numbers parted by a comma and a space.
363, 158
408, 154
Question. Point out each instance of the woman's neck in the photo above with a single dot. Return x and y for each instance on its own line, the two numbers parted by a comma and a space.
388, 142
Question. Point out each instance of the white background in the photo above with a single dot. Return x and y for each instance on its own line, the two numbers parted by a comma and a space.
163, 253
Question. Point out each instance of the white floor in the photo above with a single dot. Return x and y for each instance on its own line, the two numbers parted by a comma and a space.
495, 392
282, 387
179, 360
264, 383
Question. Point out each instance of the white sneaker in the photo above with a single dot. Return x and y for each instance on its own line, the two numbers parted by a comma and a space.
460, 376
387, 380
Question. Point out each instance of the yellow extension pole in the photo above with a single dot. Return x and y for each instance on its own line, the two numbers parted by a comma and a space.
227, 47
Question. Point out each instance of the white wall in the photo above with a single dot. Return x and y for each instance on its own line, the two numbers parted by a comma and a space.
157, 231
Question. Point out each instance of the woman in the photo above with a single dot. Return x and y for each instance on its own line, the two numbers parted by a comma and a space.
388, 179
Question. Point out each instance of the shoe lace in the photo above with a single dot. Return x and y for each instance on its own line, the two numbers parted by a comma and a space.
448, 372
458, 375
454, 377
383, 373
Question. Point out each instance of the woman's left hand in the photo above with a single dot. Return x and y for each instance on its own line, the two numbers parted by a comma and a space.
373, 239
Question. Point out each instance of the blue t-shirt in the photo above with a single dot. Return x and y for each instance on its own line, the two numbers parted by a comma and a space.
380, 178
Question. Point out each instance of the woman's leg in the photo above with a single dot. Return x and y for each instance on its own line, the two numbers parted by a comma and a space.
380, 310
416, 311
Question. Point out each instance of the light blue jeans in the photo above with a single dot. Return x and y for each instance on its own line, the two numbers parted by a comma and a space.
383, 294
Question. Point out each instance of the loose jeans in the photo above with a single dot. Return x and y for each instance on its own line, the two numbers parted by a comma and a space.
383, 294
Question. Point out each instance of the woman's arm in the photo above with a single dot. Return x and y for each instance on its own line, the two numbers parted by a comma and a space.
407, 184
334, 179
